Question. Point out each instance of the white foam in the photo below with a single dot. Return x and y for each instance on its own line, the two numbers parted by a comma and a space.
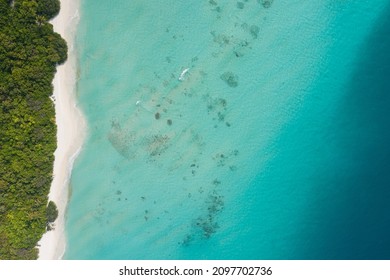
183, 73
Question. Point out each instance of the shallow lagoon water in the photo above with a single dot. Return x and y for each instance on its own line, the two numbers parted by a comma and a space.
224, 130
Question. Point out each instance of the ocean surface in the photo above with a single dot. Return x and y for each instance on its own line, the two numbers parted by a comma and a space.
232, 130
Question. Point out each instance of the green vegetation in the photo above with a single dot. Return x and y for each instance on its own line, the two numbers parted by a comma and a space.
51, 214
48, 8
29, 52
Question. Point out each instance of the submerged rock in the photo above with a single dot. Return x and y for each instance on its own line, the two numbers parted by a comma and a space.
254, 30
230, 78
266, 3
240, 5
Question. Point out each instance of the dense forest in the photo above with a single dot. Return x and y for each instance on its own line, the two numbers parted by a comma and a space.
29, 52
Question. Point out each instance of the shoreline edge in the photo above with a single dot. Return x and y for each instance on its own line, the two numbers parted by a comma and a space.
70, 130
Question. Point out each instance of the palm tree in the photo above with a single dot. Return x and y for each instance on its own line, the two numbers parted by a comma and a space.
40, 20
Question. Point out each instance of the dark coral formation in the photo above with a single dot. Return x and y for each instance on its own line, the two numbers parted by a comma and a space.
221, 39
156, 144
266, 3
254, 31
230, 78
207, 223
240, 5
225, 159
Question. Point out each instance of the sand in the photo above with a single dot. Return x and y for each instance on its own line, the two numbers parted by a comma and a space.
70, 130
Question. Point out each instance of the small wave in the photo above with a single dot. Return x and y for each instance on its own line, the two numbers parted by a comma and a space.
181, 78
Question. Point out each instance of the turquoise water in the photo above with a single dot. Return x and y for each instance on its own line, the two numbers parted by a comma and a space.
232, 130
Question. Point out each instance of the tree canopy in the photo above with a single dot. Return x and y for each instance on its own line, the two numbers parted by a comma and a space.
29, 52
48, 8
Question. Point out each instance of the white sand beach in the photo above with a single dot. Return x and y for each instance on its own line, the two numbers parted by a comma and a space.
70, 130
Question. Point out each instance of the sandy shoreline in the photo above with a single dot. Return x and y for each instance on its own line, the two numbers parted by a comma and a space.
70, 130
